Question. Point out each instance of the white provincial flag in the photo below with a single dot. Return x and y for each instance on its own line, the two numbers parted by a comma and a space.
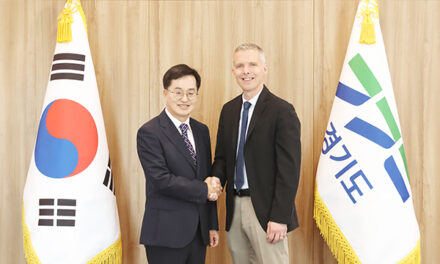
363, 201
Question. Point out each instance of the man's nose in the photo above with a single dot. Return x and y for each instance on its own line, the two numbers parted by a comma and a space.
184, 97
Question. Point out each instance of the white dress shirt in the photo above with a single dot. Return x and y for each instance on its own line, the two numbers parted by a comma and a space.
177, 123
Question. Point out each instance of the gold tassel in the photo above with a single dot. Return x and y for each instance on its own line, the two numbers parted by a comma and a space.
368, 35
64, 33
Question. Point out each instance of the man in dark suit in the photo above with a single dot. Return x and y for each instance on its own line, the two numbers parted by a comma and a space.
175, 153
258, 156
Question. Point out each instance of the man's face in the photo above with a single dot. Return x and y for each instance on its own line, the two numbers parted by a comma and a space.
249, 70
182, 87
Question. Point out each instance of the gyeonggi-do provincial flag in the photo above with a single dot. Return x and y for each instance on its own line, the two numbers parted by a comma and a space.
69, 204
363, 203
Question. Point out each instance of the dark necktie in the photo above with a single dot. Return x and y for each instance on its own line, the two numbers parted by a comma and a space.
184, 128
239, 167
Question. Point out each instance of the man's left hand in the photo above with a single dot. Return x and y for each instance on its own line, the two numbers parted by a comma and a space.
213, 238
275, 232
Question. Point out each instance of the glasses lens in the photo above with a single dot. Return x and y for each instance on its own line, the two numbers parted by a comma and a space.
179, 94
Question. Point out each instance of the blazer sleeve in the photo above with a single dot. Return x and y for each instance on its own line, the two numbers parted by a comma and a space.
288, 162
151, 156
219, 165
212, 206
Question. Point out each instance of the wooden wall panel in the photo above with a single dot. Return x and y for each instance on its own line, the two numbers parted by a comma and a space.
206, 42
119, 40
25, 60
134, 42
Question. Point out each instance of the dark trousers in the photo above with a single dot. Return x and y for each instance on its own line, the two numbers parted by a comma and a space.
193, 253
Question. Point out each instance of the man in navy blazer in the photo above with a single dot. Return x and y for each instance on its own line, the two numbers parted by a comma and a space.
180, 216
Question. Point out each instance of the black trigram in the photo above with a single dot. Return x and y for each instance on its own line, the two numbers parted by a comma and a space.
68, 66
61, 214
108, 179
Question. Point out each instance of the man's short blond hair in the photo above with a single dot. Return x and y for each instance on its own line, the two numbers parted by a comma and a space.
251, 46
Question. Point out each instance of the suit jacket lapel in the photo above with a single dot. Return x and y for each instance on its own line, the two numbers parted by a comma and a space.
259, 109
175, 137
236, 109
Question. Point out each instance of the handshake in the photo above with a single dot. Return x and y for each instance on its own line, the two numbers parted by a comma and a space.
214, 188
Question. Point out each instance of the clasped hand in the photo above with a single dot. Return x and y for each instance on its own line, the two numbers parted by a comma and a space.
214, 188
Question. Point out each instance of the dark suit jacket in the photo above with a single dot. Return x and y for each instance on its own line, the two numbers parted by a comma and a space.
176, 194
272, 155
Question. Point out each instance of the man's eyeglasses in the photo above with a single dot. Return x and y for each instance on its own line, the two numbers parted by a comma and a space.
178, 94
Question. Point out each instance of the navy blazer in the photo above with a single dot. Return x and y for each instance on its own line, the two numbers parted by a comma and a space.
176, 195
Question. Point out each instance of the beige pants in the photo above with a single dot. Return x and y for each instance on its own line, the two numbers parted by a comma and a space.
247, 240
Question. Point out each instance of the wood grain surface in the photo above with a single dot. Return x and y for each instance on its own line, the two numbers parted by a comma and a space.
134, 42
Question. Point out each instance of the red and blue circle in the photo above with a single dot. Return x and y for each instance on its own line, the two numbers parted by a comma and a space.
67, 139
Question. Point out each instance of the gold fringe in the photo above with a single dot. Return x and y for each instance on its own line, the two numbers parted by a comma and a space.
337, 242
368, 35
29, 252
335, 239
111, 255
414, 257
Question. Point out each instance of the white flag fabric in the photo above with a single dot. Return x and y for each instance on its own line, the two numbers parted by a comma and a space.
363, 203
69, 206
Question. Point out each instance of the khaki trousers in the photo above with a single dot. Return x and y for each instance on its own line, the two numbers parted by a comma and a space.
247, 240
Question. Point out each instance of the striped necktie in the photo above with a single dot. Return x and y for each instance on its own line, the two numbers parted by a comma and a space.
184, 128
